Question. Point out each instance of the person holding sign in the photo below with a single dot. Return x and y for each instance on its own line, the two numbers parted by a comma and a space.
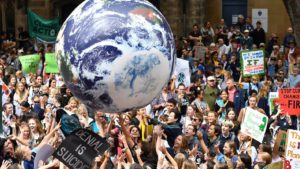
252, 105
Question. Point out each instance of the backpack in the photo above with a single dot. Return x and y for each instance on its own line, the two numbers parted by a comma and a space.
69, 121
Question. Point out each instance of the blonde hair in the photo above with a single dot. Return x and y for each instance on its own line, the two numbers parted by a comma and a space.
263, 91
189, 164
179, 158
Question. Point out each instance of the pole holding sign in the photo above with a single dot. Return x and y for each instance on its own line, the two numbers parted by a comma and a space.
254, 124
290, 100
253, 62
80, 148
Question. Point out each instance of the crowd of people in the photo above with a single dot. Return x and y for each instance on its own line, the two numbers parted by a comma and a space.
185, 127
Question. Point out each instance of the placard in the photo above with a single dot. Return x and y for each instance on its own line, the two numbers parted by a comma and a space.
51, 64
253, 62
182, 72
30, 63
254, 124
289, 100
80, 148
292, 152
280, 143
273, 101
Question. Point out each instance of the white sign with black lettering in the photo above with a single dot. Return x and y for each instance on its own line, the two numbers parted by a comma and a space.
80, 148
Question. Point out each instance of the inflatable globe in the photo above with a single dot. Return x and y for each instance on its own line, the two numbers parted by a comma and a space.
115, 55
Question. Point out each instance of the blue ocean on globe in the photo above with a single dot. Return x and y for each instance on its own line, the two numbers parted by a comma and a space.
115, 55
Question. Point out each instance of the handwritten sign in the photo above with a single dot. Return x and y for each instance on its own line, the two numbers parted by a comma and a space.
254, 124
80, 148
253, 62
51, 66
280, 143
292, 153
273, 101
30, 63
290, 100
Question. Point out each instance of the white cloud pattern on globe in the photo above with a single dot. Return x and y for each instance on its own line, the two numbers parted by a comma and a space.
115, 55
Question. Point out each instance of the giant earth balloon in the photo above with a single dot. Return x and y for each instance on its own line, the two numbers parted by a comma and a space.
115, 55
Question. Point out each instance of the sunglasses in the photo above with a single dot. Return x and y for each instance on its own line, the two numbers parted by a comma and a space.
194, 119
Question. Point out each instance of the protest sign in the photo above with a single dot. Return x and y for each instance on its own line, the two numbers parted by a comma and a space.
43, 29
273, 101
280, 142
292, 152
51, 64
254, 124
30, 63
253, 62
182, 72
289, 99
80, 148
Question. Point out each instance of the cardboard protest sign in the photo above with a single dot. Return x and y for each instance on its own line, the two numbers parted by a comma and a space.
30, 63
292, 152
280, 143
253, 62
80, 148
182, 72
290, 100
273, 101
254, 124
51, 64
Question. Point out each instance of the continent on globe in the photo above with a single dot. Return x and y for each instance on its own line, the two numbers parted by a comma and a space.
115, 55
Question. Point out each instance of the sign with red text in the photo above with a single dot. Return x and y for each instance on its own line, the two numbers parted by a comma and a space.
292, 152
290, 100
80, 148
253, 62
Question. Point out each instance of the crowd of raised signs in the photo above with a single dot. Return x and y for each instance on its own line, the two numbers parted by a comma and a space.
185, 127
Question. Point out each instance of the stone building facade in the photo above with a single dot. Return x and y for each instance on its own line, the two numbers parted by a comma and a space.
181, 14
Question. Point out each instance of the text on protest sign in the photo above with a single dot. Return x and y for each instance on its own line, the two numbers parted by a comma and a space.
290, 100
51, 64
43, 29
80, 148
253, 62
280, 143
182, 72
273, 101
254, 124
30, 63
292, 152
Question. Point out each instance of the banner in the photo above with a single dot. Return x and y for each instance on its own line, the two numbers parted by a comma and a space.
80, 148
30, 63
38, 27
182, 72
51, 64
254, 124
260, 14
273, 101
290, 100
280, 143
253, 62
292, 152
